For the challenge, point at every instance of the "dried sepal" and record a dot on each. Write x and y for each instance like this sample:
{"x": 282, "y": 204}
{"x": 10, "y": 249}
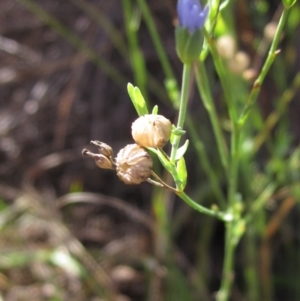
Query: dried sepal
{"x": 103, "y": 148}
{"x": 100, "y": 160}
{"x": 133, "y": 164}
{"x": 151, "y": 130}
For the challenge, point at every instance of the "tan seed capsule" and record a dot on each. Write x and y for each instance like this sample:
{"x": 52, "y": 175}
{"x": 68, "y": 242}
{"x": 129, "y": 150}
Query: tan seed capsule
{"x": 133, "y": 164}
{"x": 151, "y": 130}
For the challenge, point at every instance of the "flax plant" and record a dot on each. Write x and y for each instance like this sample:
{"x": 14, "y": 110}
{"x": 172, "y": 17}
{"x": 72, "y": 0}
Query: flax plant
{"x": 241, "y": 201}
{"x": 193, "y": 43}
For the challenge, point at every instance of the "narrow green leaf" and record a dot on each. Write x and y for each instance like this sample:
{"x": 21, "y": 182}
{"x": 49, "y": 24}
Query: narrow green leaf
{"x": 130, "y": 88}
{"x": 164, "y": 161}
{"x": 137, "y": 99}
{"x": 181, "y": 150}
{"x": 155, "y": 110}
{"x": 178, "y": 131}
{"x": 140, "y": 103}
{"x": 182, "y": 172}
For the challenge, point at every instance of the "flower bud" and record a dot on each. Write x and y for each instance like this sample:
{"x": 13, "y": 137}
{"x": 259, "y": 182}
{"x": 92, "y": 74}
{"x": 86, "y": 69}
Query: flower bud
{"x": 151, "y": 130}
{"x": 133, "y": 164}
{"x": 188, "y": 36}
{"x": 100, "y": 160}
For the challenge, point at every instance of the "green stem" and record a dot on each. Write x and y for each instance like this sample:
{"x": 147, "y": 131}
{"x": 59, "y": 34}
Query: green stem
{"x": 220, "y": 215}
{"x": 274, "y": 117}
{"x": 182, "y": 108}
{"x": 156, "y": 40}
{"x": 205, "y": 92}
{"x": 227, "y": 275}
{"x": 260, "y": 202}
{"x": 234, "y": 164}
{"x": 205, "y": 163}
{"x": 224, "y": 79}
{"x": 136, "y": 56}
{"x": 269, "y": 61}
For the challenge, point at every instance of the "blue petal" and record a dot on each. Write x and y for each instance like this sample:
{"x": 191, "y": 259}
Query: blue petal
{"x": 191, "y": 14}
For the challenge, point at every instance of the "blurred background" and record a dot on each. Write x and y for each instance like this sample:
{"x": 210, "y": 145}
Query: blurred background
{"x": 70, "y": 231}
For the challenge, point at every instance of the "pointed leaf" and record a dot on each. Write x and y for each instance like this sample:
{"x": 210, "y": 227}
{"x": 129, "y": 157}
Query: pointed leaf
{"x": 137, "y": 99}
{"x": 182, "y": 172}
{"x": 181, "y": 150}
{"x": 130, "y": 89}
{"x": 140, "y": 103}
{"x": 155, "y": 110}
{"x": 162, "y": 158}
{"x": 178, "y": 131}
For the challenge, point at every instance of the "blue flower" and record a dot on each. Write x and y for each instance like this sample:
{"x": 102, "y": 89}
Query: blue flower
{"x": 191, "y": 14}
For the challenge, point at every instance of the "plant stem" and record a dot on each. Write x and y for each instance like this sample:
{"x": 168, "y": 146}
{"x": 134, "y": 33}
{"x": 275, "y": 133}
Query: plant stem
{"x": 135, "y": 54}
{"x": 205, "y": 92}
{"x": 182, "y": 108}
{"x": 205, "y": 163}
{"x": 227, "y": 275}
{"x": 234, "y": 164}
{"x": 269, "y": 61}
{"x": 163, "y": 58}
{"x": 274, "y": 117}
{"x": 224, "y": 79}
{"x": 220, "y": 215}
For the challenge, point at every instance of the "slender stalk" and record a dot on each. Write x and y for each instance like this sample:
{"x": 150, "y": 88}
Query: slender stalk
{"x": 250, "y": 274}
{"x": 273, "y": 118}
{"x": 135, "y": 54}
{"x": 224, "y": 79}
{"x": 260, "y": 202}
{"x": 220, "y": 215}
{"x": 171, "y": 84}
{"x": 205, "y": 163}
{"x": 182, "y": 108}
{"x": 234, "y": 165}
{"x": 205, "y": 92}
{"x": 269, "y": 61}
{"x": 227, "y": 275}
{"x": 156, "y": 40}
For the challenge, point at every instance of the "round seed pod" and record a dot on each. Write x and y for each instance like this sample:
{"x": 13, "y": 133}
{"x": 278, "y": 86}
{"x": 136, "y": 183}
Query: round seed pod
{"x": 151, "y": 130}
{"x": 133, "y": 164}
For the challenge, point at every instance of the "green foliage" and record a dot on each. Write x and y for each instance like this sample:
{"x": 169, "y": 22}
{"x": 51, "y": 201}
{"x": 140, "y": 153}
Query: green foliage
{"x": 137, "y": 99}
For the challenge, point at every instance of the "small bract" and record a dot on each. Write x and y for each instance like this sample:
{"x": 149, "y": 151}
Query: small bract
{"x": 151, "y": 130}
{"x": 133, "y": 164}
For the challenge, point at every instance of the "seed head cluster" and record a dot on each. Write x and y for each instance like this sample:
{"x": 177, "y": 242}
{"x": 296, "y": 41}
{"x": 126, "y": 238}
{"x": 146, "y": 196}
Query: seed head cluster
{"x": 133, "y": 164}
